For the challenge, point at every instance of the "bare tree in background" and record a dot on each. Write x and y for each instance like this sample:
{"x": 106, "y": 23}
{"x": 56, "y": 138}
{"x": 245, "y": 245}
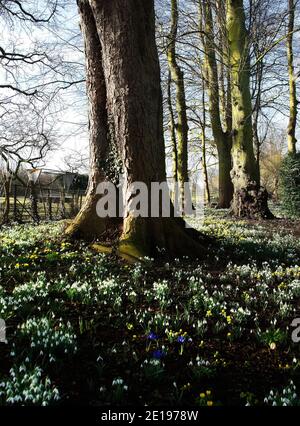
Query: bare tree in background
{"x": 32, "y": 77}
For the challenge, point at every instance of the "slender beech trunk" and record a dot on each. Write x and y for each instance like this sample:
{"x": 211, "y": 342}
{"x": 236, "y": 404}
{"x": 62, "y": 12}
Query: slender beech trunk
{"x": 226, "y": 106}
{"x": 172, "y": 132}
{"x": 222, "y": 90}
{"x": 292, "y": 81}
{"x": 249, "y": 199}
{"x": 222, "y": 53}
{"x": 222, "y": 139}
{"x": 203, "y": 159}
{"x": 204, "y": 166}
{"x": 178, "y": 78}
{"x": 87, "y": 224}
{"x": 133, "y": 101}
{"x": 256, "y": 112}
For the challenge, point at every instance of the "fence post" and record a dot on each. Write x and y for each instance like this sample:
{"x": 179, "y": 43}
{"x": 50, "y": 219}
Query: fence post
{"x": 62, "y": 204}
{"x": 7, "y": 182}
{"x": 49, "y": 205}
{"x": 15, "y": 204}
{"x": 34, "y": 202}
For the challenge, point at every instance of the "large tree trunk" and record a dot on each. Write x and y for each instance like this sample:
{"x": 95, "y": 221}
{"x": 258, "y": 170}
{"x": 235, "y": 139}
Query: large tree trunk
{"x": 249, "y": 199}
{"x": 126, "y": 29}
{"x": 88, "y": 224}
{"x": 178, "y": 78}
{"x": 221, "y": 138}
{"x": 292, "y": 81}
{"x": 225, "y": 182}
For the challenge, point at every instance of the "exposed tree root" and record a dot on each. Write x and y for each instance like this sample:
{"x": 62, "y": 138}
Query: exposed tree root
{"x": 251, "y": 203}
{"x": 161, "y": 237}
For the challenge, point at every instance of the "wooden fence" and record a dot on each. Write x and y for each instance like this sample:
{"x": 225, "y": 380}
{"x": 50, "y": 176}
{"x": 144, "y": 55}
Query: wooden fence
{"x": 36, "y": 203}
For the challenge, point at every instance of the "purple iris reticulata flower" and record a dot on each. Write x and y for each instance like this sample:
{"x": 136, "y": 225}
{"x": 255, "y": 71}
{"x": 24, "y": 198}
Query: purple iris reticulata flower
{"x": 152, "y": 336}
{"x": 158, "y": 354}
{"x": 181, "y": 339}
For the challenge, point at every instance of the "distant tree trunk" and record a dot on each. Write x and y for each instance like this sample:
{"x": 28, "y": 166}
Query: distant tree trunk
{"x": 173, "y": 132}
{"x": 7, "y": 185}
{"x": 88, "y": 224}
{"x": 178, "y": 78}
{"x": 126, "y": 29}
{"x": 222, "y": 139}
{"x": 225, "y": 79}
{"x": 203, "y": 159}
{"x": 204, "y": 166}
{"x": 292, "y": 81}
{"x": 249, "y": 199}
{"x": 256, "y": 112}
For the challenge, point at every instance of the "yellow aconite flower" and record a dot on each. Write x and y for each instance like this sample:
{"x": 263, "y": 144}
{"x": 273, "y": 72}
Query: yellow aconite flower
{"x": 202, "y": 395}
{"x": 229, "y": 319}
{"x": 209, "y": 403}
{"x": 272, "y": 346}
{"x": 282, "y": 286}
{"x": 209, "y": 313}
{"x": 208, "y": 392}
{"x": 129, "y": 326}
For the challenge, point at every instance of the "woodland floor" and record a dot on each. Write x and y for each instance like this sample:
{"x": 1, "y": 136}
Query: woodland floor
{"x": 84, "y": 328}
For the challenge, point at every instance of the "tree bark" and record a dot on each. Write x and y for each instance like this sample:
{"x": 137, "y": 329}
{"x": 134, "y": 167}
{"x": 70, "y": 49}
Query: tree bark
{"x": 173, "y": 132}
{"x": 203, "y": 158}
{"x": 249, "y": 199}
{"x": 292, "y": 81}
{"x": 87, "y": 223}
{"x": 221, "y": 138}
{"x": 256, "y": 112}
{"x": 178, "y": 78}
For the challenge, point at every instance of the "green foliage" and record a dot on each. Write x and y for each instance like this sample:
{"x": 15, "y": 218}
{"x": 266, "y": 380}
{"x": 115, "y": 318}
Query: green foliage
{"x": 290, "y": 184}
{"x": 85, "y": 327}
